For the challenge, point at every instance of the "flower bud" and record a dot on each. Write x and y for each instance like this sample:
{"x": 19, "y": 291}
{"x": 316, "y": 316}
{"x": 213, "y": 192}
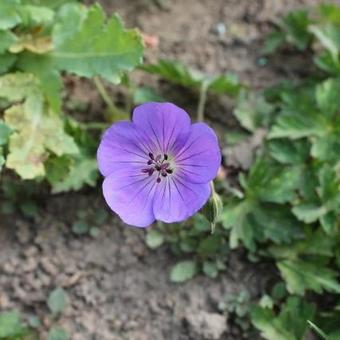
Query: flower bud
{"x": 213, "y": 208}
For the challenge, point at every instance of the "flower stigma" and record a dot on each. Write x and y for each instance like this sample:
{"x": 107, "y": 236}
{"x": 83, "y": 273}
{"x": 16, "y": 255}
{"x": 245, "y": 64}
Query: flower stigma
{"x": 159, "y": 164}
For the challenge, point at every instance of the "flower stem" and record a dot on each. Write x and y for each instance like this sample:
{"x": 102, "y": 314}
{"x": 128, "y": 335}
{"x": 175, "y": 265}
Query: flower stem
{"x": 105, "y": 96}
{"x": 202, "y": 101}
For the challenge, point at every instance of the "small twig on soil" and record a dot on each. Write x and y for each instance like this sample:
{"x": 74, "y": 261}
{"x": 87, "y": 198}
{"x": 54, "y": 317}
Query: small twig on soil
{"x": 105, "y": 96}
{"x": 202, "y": 101}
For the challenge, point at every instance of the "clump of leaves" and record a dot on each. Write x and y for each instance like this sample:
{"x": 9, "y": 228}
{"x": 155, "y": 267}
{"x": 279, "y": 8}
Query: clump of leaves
{"x": 238, "y": 307}
{"x": 317, "y": 29}
{"x": 289, "y": 324}
{"x": 291, "y": 198}
{"x": 88, "y": 222}
{"x": 39, "y": 40}
{"x": 287, "y": 206}
{"x": 12, "y": 327}
{"x": 196, "y": 239}
{"x": 19, "y": 197}
{"x": 177, "y": 73}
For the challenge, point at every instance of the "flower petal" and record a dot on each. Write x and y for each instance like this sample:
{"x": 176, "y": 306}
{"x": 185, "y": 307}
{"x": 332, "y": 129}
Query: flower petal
{"x": 199, "y": 159}
{"x": 121, "y": 146}
{"x": 165, "y": 125}
{"x": 176, "y": 200}
{"x": 130, "y": 195}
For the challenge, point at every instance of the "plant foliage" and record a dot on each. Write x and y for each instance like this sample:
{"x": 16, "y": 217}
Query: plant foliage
{"x": 39, "y": 39}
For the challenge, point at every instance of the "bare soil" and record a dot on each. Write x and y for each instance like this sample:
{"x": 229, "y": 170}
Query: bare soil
{"x": 118, "y": 288}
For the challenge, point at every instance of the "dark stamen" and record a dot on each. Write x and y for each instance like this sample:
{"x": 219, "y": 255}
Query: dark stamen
{"x": 158, "y": 163}
{"x": 165, "y": 166}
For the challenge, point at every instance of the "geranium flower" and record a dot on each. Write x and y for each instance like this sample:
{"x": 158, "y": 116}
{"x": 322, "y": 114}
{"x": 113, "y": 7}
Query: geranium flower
{"x": 157, "y": 167}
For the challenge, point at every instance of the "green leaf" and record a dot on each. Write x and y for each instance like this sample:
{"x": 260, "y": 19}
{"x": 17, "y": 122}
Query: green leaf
{"x": 270, "y": 182}
{"x": 329, "y": 190}
{"x": 235, "y": 216}
{"x": 6, "y": 40}
{"x": 295, "y": 125}
{"x": 154, "y": 239}
{"x": 228, "y": 84}
{"x": 6, "y": 62}
{"x": 273, "y": 42}
{"x": 46, "y": 76}
{"x": 201, "y": 224}
{"x": 327, "y": 96}
{"x": 47, "y": 3}
{"x": 301, "y": 275}
{"x": 210, "y": 269}
{"x": 309, "y": 213}
{"x": 183, "y": 271}
{"x": 178, "y": 73}
{"x": 252, "y": 110}
{"x": 33, "y": 16}
{"x": 334, "y": 335}
{"x": 57, "y": 168}
{"x": 145, "y": 94}
{"x": 275, "y": 222}
{"x": 327, "y": 148}
{"x": 80, "y": 227}
{"x": 57, "y": 301}
{"x": 9, "y": 16}
{"x": 296, "y": 25}
{"x": 329, "y": 37}
{"x": 57, "y": 334}
{"x": 329, "y": 13}
{"x": 94, "y": 46}
{"x": 289, "y": 324}
{"x": 289, "y": 152}
{"x": 314, "y": 244}
{"x": 210, "y": 245}
{"x": 82, "y": 171}
{"x": 330, "y": 223}
{"x": 327, "y": 63}
{"x": 5, "y": 132}
{"x": 2, "y": 159}
{"x": 11, "y": 325}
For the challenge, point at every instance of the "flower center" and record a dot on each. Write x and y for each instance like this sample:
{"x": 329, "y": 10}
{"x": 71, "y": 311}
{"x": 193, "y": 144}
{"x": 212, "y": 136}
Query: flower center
{"x": 159, "y": 164}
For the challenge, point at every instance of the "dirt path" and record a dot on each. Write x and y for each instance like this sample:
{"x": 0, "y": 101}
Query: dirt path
{"x": 118, "y": 289}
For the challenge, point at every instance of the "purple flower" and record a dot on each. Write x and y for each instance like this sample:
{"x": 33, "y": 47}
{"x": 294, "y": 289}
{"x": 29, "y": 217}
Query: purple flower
{"x": 157, "y": 167}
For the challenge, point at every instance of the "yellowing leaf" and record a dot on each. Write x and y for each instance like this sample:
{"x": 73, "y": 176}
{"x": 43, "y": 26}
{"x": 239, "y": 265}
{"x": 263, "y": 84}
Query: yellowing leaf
{"x": 17, "y": 86}
{"x": 37, "y": 129}
{"x": 35, "y": 44}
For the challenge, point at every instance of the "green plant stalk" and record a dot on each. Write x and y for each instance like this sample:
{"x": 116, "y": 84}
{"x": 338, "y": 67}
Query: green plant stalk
{"x": 317, "y": 330}
{"x": 105, "y": 96}
{"x": 202, "y": 101}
